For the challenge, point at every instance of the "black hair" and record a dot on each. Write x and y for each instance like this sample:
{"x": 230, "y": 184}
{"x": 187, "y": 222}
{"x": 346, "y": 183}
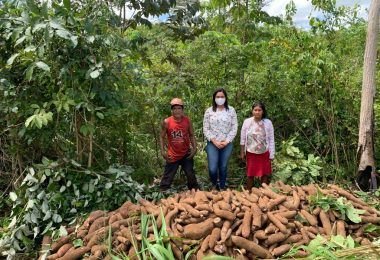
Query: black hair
{"x": 214, "y": 105}
{"x": 262, "y": 106}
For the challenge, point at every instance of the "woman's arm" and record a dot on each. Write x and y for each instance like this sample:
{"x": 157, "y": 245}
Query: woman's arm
{"x": 271, "y": 139}
{"x": 243, "y": 138}
{"x": 243, "y": 132}
{"x": 206, "y": 126}
{"x": 234, "y": 126}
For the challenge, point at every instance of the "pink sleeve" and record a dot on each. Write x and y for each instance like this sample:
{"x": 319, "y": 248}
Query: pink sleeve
{"x": 243, "y": 133}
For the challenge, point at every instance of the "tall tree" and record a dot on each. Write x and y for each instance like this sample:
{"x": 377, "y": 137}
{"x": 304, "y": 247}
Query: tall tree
{"x": 365, "y": 150}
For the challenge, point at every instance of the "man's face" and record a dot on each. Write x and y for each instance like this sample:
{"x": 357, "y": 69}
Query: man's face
{"x": 177, "y": 111}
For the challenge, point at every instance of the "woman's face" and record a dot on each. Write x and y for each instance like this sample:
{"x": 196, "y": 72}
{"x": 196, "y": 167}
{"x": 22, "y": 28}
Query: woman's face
{"x": 220, "y": 98}
{"x": 257, "y": 112}
{"x": 220, "y": 95}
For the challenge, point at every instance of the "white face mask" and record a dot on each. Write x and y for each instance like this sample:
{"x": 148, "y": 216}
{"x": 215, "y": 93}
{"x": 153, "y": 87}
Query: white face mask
{"x": 220, "y": 101}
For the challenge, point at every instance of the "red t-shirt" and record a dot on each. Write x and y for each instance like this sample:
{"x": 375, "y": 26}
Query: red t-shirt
{"x": 178, "y": 137}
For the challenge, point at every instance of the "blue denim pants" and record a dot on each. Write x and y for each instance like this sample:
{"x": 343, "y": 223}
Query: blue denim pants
{"x": 217, "y": 163}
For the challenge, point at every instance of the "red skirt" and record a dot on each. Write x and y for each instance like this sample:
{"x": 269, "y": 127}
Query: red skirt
{"x": 258, "y": 164}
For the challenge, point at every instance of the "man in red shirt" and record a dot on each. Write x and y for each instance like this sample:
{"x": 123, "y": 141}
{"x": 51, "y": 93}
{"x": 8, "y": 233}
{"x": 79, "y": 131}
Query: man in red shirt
{"x": 176, "y": 136}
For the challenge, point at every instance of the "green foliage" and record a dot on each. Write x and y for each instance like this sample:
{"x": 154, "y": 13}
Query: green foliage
{"x": 160, "y": 249}
{"x": 53, "y": 193}
{"x": 335, "y": 247}
{"x": 373, "y": 229}
{"x": 322, "y": 248}
{"x": 156, "y": 248}
{"x": 292, "y": 167}
{"x": 334, "y": 17}
{"x": 346, "y": 210}
{"x": 372, "y": 198}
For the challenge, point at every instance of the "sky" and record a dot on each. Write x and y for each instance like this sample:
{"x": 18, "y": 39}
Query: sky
{"x": 304, "y": 9}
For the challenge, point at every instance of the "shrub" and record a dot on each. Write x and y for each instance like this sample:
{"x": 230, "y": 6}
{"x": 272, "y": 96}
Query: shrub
{"x": 291, "y": 166}
{"x": 55, "y": 192}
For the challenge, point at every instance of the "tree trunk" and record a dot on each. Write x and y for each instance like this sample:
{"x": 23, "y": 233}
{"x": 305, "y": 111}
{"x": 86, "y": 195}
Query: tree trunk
{"x": 78, "y": 136}
{"x": 90, "y": 141}
{"x": 365, "y": 152}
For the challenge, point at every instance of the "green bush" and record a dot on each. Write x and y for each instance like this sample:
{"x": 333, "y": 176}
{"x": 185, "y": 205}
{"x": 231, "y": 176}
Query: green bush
{"x": 55, "y": 192}
{"x": 291, "y": 166}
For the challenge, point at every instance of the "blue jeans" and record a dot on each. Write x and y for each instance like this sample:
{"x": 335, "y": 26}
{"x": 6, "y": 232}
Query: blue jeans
{"x": 217, "y": 163}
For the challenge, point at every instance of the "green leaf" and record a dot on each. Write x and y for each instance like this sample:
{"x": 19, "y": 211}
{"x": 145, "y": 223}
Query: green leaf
{"x": 30, "y": 48}
{"x": 47, "y": 228}
{"x": 33, "y": 218}
{"x": 57, "y": 218}
{"x": 62, "y": 231}
{"x": 100, "y": 115}
{"x": 338, "y": 240}
{"x": 73, "y": 162}
{"x": 371, "y": 228}
{"x": 74, "y": 40}
{"x": 12, "y": 58}
{"x": 30, "y": 204}
{"x": 353, "y": 214}
{"x": 13, "y": 196}
{"x": 36, "y": 232}
{"x": 29, "y": 72}
{"x": 45, "y": 207}
{"x": 13, "y": 222}
{"x": 56, "y": 25}
{"x": 20, "y": 40}
{"x": 38, "y": 122}
{"x": 91, "y": 188}
{"x": 67, "y": 4}
{"x": 78, "y": 242}
{"x": 29, "y": 120}
{"x": 95, "y": 74}
{"x": 90, "y": 39}
{"x": 38, "y": 27}
{"x": 41, "y": 195}
{"x": 63, "y": 34}
{"x": 32, "y": 6}
{"x": 350, "y": 242}
{"x": 84, "y": 130}
{"x": 42, "y": 65}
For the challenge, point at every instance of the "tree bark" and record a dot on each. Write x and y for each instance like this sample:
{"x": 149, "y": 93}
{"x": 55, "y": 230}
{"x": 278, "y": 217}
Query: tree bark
{"x": 90, "y": 141}
{"x": 365, "y": 152}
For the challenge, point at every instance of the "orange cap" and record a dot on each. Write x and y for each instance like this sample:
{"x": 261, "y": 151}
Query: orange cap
{"x": 176, "y": 101}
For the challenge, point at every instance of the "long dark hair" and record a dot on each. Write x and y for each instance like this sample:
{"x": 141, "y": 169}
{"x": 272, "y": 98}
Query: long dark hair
{"x": 214, "y": 105}
{"x": 262, "y": 106}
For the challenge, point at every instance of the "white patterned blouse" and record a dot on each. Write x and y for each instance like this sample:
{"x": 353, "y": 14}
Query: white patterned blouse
{"x": 220, "y": 125}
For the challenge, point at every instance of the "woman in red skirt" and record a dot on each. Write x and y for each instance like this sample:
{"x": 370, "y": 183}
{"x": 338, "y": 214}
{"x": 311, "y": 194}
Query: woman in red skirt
{"x": 257, "y": 145}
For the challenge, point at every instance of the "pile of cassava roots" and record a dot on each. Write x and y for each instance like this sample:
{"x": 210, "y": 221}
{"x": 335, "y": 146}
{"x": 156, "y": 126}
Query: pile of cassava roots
{"x": 264, "y": 223}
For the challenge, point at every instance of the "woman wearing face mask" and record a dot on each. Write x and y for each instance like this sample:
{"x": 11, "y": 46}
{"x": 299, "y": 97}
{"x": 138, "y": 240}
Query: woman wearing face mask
{"x": 257, "y": 145}
{"x": 219, "y": 127}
